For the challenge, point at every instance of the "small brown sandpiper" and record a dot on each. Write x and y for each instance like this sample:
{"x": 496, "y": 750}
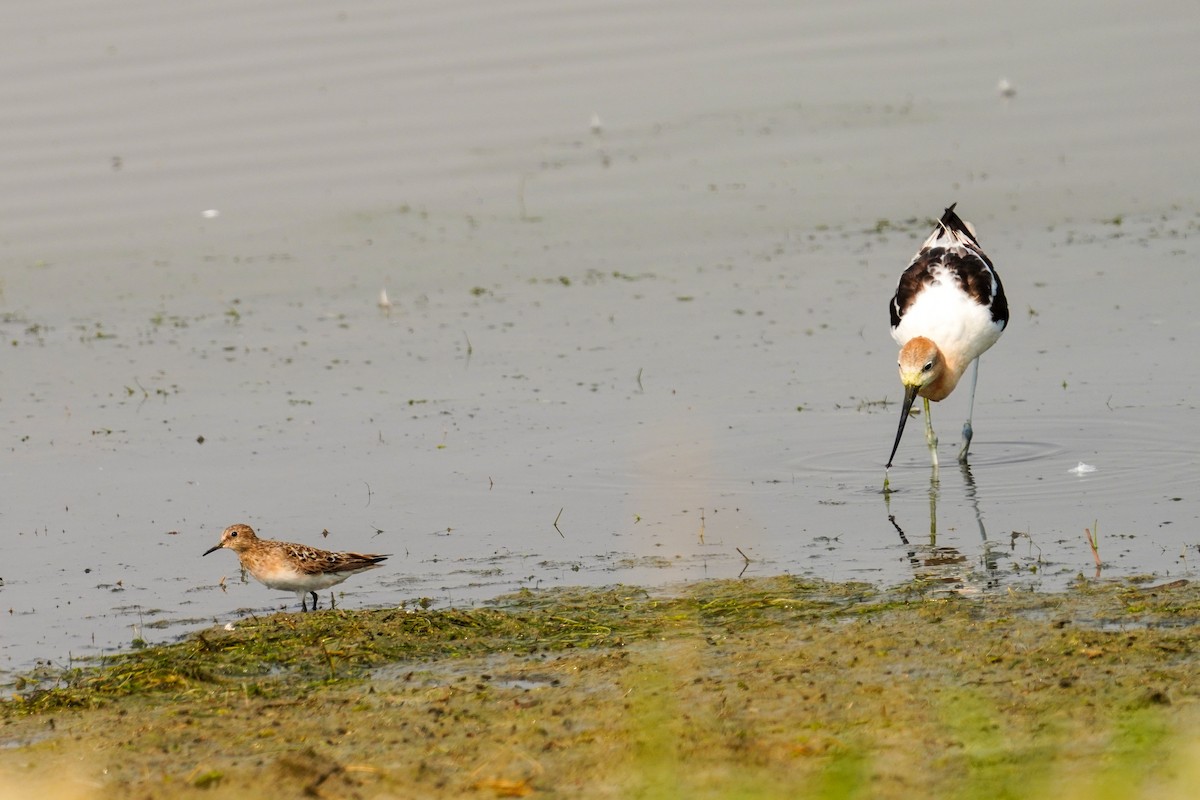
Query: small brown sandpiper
{"x": 292, "y": 567}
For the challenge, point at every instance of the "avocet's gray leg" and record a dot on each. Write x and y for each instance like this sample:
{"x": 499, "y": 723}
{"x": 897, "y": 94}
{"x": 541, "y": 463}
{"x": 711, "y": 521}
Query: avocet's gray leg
{"x": 968, "y": 432}
{"x": 930, "y": 436}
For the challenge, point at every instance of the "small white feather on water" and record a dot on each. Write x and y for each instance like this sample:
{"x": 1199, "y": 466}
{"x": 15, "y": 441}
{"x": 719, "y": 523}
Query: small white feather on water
{"x": 1082, "y": 469}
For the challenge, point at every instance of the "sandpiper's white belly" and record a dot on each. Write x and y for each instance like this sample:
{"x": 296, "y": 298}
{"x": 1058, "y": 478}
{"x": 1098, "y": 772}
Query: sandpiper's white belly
{"x": 291, "y": 580}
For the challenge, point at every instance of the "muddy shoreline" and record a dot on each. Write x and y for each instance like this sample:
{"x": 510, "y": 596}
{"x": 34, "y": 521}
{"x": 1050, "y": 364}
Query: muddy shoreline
{"x": 768, "y": 687}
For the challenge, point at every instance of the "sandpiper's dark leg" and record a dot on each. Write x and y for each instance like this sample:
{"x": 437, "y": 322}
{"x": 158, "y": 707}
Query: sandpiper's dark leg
{"x": 314, "y": 594}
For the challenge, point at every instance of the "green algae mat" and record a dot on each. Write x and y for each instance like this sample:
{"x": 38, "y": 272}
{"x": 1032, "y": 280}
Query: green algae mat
{"x": 760, "y": 688}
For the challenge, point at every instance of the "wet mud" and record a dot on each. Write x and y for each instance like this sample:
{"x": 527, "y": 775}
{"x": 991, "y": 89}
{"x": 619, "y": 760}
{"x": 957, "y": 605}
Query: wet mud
{"x": 772, "y": 687}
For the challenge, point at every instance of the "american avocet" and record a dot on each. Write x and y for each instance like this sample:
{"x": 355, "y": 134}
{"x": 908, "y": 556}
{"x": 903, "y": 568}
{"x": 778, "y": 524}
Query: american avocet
{"x": 292, "y": 567}
{"x": 948, "y": 310}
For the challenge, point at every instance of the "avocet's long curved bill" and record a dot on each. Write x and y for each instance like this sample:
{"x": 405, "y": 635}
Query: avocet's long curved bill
{"x": 910, "y": 394}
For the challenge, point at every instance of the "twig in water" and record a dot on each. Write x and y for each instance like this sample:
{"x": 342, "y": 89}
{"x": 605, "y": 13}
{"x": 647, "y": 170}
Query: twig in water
{"x": 1093, "y": 535}
{"x": 1032, "y": 544}
{"x": 560, "y": 533}
{"x": 521, "y": 199}
{"x": 368, "y": 493}
{"x": 743, "y": 555}
{"x": 329, "y": 660}
{"x": 639, "y": 380}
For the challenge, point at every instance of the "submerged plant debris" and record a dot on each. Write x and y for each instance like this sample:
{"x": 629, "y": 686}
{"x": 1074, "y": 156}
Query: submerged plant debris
{"x": 775, "y": 687}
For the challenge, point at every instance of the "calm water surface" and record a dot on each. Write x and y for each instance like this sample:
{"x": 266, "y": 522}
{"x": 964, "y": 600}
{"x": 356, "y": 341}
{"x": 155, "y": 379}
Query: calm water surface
{"x": 638, "y": 262}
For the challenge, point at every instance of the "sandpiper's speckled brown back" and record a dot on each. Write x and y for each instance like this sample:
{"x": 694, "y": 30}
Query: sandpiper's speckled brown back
{"x": 288, "y": 565}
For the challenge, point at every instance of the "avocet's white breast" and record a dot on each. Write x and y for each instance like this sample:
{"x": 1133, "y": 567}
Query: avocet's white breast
{"x": 958, "y": 323}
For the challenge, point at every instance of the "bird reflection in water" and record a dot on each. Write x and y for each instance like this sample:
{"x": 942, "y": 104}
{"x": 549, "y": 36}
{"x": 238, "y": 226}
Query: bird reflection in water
{"x": 948, "y": 568}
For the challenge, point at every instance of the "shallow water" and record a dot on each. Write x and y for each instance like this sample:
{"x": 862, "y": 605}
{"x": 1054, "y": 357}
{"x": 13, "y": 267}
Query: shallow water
{"x": 665, "y": 333}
